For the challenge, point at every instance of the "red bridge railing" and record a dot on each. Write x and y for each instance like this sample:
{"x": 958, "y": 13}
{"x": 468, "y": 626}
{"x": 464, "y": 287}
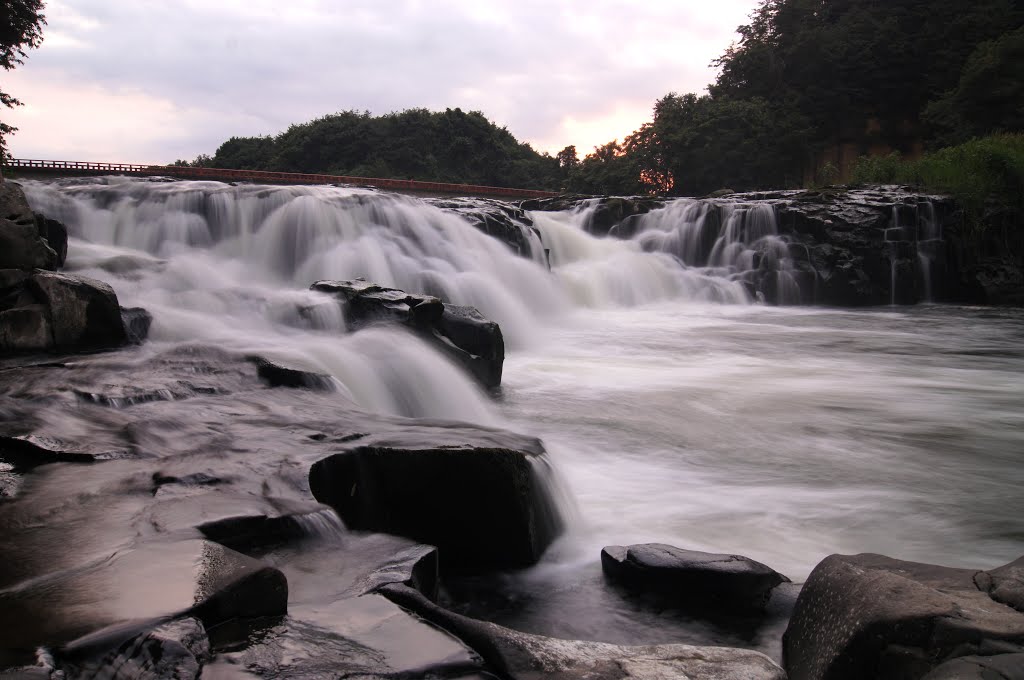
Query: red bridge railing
{"x": 263, "y": 176}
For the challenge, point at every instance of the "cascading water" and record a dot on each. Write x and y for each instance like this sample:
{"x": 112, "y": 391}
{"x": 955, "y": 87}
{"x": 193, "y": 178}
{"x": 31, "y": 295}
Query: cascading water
{"x": 913, "y": 242}
{"x": 724, "y": 239}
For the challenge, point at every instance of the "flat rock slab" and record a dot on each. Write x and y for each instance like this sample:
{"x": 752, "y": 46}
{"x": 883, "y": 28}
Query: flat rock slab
{"x": 484, "y": 508}
{"x": 363, "y": 637}
{"x": 523, "y": 656}
{"x": 691, "y": 577}
{"x": 871, "y": 616}
{"x": 149, "y": 583}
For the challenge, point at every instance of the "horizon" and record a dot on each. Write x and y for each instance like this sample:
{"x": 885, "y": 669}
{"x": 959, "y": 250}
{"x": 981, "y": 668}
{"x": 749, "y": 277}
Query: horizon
{"x": 150, "y": 83}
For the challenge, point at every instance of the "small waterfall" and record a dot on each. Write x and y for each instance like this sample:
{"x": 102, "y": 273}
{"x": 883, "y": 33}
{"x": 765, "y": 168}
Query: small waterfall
{"x": 913, "y": 243}
{"x": 731, "y": 240}
{"x": 323, "y": 524}
{"x": 929, "y": 246}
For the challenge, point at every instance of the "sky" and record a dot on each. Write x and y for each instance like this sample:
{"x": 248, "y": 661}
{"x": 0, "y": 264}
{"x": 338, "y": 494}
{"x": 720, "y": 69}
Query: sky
{"x": 144, "y": 81}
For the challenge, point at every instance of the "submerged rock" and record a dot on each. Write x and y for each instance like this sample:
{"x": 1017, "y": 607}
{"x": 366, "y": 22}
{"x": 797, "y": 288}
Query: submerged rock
{"x": 484, "y": 508}
{"x": 136, "y": 324}
{"x": 460, "y": 332}
{"x": 525, "y": 656}
{"x": 871, "y": 616}
{"x": 276, "y": 375}
{"x": 691, "y": 578}
{"x": 173, "y": 651}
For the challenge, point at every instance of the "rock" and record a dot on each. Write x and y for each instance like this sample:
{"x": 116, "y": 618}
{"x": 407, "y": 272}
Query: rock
{"x": 462, "y": 333}
{"x": 473, "y": 341}
{"x": 502, "y": 221}
{"x": 611, "y": 211}
{"x": 998, "y": 667}
{"x": 415, "y": 566}
{"x": 484, "y": 508}
{"x": 32, "y": 450}
{"x": 84, "y": 313}
{"x": 249, "y": 534}
{"x": 173, "y": 651}
{"x": 871, "y": 616}
{"x": 136, "y": 322}
{"x": 276, "y": 375}
{"x": 130, "y": 591}
{"x": 55, "y": 234}
{"x": 513, "y": 654}
{"x": 25, "y": 329}
{"x": 1005, "y": 584}
{"x": 689, "y": 577}
{"x": 996, "y": 281}
{"x": 22, "y": 241}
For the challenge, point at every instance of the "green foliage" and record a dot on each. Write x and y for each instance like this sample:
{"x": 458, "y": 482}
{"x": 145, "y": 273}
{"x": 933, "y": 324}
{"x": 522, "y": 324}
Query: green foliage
{"x": 447, "y": 146}
{"x": 21, "y": 28}
{"x": 989, "y": 96}
{"x": 976, "y": 173}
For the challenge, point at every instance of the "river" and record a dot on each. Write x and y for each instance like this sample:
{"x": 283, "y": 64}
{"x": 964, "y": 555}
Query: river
{"x": 675, "y": 408}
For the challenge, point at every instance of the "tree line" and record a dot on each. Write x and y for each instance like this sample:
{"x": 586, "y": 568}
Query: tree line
{"x": 808, "y": 87}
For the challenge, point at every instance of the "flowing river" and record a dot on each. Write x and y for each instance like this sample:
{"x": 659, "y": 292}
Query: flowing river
{"x": 674, "y": 407}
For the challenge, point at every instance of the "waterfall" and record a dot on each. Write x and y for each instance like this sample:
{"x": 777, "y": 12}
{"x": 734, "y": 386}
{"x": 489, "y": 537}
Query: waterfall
{"x": 231, "y": 266}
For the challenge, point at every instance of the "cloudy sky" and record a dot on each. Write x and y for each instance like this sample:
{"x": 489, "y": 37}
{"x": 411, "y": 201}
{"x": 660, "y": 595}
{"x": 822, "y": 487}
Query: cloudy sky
{"x": 151, "y": 81}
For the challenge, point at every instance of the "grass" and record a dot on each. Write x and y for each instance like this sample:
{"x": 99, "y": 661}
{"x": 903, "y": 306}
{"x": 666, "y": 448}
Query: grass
{"x": 977, "y": 173}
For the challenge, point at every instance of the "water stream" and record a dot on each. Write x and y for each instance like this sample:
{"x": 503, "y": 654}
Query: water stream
{"x": 675, "y": 408}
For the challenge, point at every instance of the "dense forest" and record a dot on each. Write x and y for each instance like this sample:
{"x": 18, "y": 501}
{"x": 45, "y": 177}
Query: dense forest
{"x": 447, "y": 146}
{"x": 809, "y": 87}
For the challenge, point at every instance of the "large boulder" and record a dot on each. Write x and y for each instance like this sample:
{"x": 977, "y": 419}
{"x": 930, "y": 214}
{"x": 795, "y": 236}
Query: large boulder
{"x": 871, "y": 616}
{"x": 484, "y": 508}
{"x": 523, "y": 656}
{"x": 691, "y": 578}
{"x": 49, "y": 311}
{"x": 461, "y": 333}
{"x": 502, "y": 221}
{"x": 28, "y": 240}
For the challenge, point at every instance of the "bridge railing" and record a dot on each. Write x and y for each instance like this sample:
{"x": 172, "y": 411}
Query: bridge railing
{"x": 266, "y": 176}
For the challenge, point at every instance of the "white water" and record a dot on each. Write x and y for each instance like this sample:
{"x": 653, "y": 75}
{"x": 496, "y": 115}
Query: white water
{"x": 676, "y": 410}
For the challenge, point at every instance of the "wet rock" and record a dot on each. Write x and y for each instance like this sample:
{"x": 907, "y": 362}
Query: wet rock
{"x": 173, "y": 651}
{"x": 84, "y": 313}
{"x": 125, "y": 594}
{"x": 1005, "y": 584}
{"x": 484, "y": 508}
{"x": 249, "y": 534}
{"x": 276, "y": 375}
{"x": 32, "y": 450}
{"x": 55, "y": 234}
{"x": 363, "y": 637}
{"x": 136, "y": 322}
{"x": 21, "y": 244}
{"x": 995, "y": 281}
{"x": 871, "y": 616}
{"x": 25, "y": 329}
{"x": 513, "y": 654}
{"x": 462, "y": 333}
{"x": 613, "y": 210}
{"x": 689, "y": 577}
{"x": 415, "y": 566}
{"x": 503, "y": 221}
{"x": 473, "y": 341}
{"x": 998, "y": 667}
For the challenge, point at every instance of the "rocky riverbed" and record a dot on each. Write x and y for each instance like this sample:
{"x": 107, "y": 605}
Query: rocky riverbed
{"x": 244, "y": 460}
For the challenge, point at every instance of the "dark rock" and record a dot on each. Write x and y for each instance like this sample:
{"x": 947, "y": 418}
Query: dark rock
{"x": 484, "y": 508}
{"x": 462, "y": 333}
{"x": 474, "y": 341}
{"x": 611, "y": 211}
{"x": 55, "y": 234}
{"x": 276, "y": 375}
{"x": 84, "y": 313}
{"x": 136, "y": 322}
{"x": 250, "y": 534}
{"x": 996, "y": 281}
{"x": 998, "y": 667}
{"x": 415, "y": 566}
{"x": 513, "y": 654}
{"x": 173, "y": 651}
{"x": 502, "y": 221}
{"x": 25, "y": 329}
{"x": 1005, "y": 584}
{"x": 32, "y": 450}
{"x": 689, "y": 577}
{"x": 21, "y": 245}
{"x": 870, "y": 616}
{"x": 194, "y": 479}
{"x": 153, "y": 583}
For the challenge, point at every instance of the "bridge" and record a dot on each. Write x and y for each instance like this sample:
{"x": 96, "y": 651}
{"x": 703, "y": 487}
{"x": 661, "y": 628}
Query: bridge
{"x": 35, "y": 168}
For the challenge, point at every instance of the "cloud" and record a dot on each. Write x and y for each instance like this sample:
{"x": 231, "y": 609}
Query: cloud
{"x": 158, "y": 81}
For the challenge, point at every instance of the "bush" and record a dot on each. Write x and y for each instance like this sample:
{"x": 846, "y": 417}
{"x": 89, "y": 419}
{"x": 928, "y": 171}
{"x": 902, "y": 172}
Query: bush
{"x": 976, "y": 173}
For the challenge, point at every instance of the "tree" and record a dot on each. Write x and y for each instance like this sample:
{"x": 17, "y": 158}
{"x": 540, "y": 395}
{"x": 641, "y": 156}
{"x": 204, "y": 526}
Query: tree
{"x": 21, "y": 29}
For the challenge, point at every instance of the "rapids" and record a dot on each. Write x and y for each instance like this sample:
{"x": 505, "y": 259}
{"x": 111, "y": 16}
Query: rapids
{"x": 674, "y": 407}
